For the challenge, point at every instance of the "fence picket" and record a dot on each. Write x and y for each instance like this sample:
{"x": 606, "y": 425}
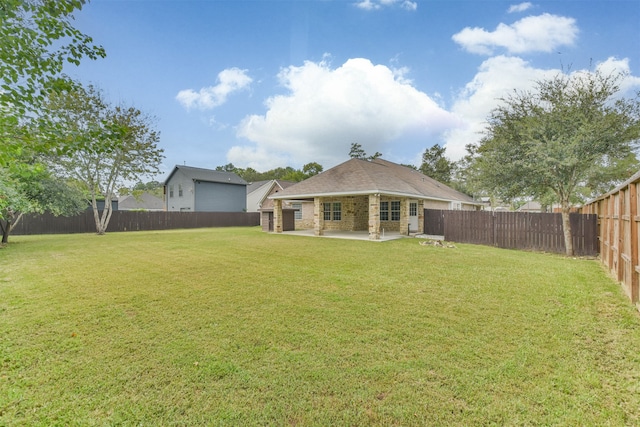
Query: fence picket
{"x": 514, "y": 230}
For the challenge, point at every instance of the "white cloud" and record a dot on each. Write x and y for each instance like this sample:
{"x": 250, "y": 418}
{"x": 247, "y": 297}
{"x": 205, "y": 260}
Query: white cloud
{"x": 629, "y": 84}
{"x": 229, "y": 81}
{"x": 520, "y": 7}
{"x": 326, "y": 110}
{"x": 501, "y": 75}
{"x": 496, "y": 77}
{"x": 379, "y": 4}
{"x": 543, "y": 33}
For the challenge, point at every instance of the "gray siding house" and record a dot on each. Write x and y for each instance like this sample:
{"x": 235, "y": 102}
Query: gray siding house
{"x": 189, "y": 189}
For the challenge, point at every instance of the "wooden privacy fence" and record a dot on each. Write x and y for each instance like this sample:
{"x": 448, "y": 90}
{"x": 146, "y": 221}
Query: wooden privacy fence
{"x": 618, "y": 213}
{"x": 133, "y": 221}
{"x": 514, "y": 230}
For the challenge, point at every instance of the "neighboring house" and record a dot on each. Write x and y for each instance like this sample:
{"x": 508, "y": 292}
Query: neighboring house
{"x": 494, "y": 205}
{"x": 298, "y": 215}
{"x": 143, "y": 202}
{"x": 531, "y": 206}
{"x": 189, "y": 189}
{"x": 257, "y": 192}
{"x": 370, "y": 195}
{"x": 100, "y": 203}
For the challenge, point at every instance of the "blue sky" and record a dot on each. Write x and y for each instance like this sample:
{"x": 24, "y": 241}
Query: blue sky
{"x": 270, "y": 83}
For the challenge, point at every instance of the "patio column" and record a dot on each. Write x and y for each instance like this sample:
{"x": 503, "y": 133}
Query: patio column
{"x": 404, "y": 216}
{"x": 277, "y": 215}
{"x": 318, "y": 216}
{"x": 420, "y": 217}
{"x": 374, "y": 217}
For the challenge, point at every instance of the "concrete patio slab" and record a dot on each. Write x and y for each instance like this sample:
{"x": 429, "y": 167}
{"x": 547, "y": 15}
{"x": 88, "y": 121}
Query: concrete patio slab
{"x": 352, "y": 235}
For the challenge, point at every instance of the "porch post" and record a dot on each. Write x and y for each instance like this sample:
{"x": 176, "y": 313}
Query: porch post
{"x": 374, "y": 216}
{"x": 318, "y": 216}
{"x": 277, "y": 215}
{"x": 420, "y": 217}
{"x": 404, "y": 216}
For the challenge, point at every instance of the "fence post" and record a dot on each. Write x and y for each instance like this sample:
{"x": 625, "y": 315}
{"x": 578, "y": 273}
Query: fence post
{"x": 633, "y": 224}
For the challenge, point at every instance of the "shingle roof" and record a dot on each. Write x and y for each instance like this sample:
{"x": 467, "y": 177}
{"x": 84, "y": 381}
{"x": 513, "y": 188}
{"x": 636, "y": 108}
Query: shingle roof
{"x": 208, "y": 175}
{"x": 357, "y": 176}
{"x": 144, "y": 201}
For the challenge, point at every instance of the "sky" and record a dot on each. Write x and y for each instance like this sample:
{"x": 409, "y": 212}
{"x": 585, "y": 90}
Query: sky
{"x": 276, "y": 83}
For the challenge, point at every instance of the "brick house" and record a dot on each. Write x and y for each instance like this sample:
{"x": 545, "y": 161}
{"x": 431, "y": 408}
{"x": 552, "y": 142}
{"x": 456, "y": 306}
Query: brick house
{"x": 295, "y": 215}
{"x": 369, "y": 195}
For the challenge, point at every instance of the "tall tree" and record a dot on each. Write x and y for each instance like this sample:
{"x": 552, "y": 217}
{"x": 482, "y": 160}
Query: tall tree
{"x": 357, "y": 152}
{"x": 436, "y": 165}
{"x": 36, "y": 40}
{"x": 556, "y": 137}
{"x": 115, "y": 145}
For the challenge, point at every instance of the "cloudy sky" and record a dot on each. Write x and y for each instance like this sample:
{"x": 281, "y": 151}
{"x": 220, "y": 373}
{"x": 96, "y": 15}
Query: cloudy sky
{"x": 274, "y": 83}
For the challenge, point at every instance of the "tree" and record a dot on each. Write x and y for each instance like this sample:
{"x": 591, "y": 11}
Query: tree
{"x": 36, "y": 40}
{"x": 557, "y": 138}
{"x": 35, "y": 190}
{"x": 154, "y": 188}
{"x": 436, "y": 165}
{"x": 114, "y": 145}
{"x": 311, "y": 169}
{"x": 357, "y": 152}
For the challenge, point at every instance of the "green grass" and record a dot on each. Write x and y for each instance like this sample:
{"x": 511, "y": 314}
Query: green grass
{"x": 239, "y": 327}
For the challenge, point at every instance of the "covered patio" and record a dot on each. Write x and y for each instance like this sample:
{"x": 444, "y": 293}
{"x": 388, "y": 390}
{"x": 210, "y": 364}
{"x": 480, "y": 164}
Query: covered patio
{"x": 371, "y": 199}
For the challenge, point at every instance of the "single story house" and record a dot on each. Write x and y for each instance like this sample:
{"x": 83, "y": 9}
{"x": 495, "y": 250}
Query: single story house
{"x": 143, "y": 202}
{"x": 189, "y": 189}
{"x": 258, "y": 201}
{"x": 370, "y": 195}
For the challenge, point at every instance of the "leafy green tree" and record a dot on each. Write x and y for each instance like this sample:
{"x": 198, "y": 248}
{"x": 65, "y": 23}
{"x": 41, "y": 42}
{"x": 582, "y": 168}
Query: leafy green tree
{"x": 311, "y": 169}
{"x": 154, "y": 188}
{"x": 36, "y": 41}
{"x": 558, "y": 138}
{"x": 436, "y": 165}
{"x": 33, "y": 189}
{"x": 116, "y": 145}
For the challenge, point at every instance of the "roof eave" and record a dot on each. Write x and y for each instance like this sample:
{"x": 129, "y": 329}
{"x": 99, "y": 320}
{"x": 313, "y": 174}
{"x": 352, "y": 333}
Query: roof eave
{"x": 368, "y": 192}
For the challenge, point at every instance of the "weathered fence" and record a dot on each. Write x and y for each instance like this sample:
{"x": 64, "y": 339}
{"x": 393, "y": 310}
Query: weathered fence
{"x": 133, "y": 221}
{"x": 618, "y": 213}
{"x": 514, "y": 230}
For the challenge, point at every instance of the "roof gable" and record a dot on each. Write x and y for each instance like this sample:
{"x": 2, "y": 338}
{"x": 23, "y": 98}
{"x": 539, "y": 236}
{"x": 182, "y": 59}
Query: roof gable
{"x": 207, "y": 175}
{"x": 357, "y": 176}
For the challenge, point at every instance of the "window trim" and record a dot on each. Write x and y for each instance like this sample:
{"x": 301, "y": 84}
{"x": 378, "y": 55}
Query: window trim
{"x": 297, "y": 214}
{"x": 332, "y": 211}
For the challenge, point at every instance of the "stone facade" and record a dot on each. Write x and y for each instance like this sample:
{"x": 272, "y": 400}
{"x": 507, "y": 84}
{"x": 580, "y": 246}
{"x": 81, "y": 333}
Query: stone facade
{"x": 306, "y": 222}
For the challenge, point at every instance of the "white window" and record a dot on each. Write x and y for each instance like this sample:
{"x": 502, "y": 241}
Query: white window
{"x": 337, "y": 211}
{"x": 171, "y": 191}
{"x": 384, "y": 211}
{"x": 327, "y": 211}
{"x": 413, "y": 209}
{"x": 179, "y": 190}
{"x": 298, "y": 213}
{"x": 395, "y": 211}
{"x": 456, "y": 206}
{"x": 332, "y": 211}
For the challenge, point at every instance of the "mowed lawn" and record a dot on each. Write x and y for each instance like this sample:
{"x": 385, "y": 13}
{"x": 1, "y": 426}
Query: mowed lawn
{"x": 233, "y": 326}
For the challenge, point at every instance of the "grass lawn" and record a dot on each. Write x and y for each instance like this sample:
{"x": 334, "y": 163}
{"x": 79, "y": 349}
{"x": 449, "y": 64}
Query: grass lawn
{"x": 233, "y": 326}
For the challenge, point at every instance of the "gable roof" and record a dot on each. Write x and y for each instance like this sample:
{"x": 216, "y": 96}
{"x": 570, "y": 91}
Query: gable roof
{"x": 357, "y": 176}
{"x": 144, "y": 201}
{"x": 207, "y": 175}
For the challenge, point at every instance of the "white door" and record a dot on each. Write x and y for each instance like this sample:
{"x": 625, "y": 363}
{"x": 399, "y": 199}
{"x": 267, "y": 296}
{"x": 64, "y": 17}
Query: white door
{"x": 413, "y": 216}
